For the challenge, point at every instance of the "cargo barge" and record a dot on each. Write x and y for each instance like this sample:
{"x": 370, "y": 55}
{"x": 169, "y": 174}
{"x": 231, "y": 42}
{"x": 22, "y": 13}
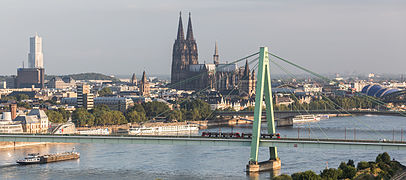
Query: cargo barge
{"x": 48, "y": 158}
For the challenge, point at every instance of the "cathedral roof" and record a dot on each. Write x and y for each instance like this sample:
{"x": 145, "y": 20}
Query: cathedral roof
{"x": 226, "y": 67}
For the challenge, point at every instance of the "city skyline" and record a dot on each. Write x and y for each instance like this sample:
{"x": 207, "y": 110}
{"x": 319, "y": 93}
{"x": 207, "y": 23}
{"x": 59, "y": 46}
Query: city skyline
{"x": 317, "y": 35}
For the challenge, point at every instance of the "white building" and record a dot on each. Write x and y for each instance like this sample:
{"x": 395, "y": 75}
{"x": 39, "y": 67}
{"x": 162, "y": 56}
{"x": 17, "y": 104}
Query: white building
{"x": 312, "y": 88}
{"x": 42, "y": 117}
{"x": 35, "y": 56}
{"x": 8, "y": 126}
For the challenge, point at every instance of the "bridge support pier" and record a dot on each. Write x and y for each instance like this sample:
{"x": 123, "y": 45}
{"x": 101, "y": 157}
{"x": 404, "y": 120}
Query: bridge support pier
{"x": 263, "y": 92}
{"x": 270, "y": 165}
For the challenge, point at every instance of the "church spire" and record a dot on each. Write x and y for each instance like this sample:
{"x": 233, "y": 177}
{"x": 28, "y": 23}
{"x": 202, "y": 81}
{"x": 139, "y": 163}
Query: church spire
{"x": 189, "y": 35}
{"x": 144, "y": 77}
{"x": 181, "y": 35}
{"x": 216, "y": 55}
{"x": 246, "y": 70}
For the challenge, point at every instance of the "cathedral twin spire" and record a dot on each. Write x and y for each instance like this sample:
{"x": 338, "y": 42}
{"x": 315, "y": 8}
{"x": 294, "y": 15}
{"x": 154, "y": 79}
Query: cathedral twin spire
{"x": 189, "y": 35}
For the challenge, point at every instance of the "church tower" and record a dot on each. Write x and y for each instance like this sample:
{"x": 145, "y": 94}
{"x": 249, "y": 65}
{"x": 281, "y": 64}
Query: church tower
{"x": 184, "y": 54}
{"x": 192, "y": 54}
{"x": 247, "y": 85}
{"x": 133, "y": 80}
{"x": 179, "y": 62}
{"x": 144, "y": 86}
{"x": 216, "y": 55}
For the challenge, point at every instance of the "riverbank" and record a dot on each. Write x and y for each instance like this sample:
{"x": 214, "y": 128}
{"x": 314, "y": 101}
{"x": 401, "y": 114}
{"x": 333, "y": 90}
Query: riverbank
{"x": 10, "y": 144}
{"x": 382, "y": 168}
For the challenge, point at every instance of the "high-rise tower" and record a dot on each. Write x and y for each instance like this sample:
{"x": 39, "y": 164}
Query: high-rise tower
{"x": 35, "y": 56}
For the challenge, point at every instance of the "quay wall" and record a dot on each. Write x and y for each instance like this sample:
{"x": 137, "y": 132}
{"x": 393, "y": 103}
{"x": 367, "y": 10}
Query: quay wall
{"x": 10, "y": 144}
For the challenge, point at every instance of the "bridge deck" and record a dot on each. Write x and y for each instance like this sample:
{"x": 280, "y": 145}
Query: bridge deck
{"x": 205, "y": 141}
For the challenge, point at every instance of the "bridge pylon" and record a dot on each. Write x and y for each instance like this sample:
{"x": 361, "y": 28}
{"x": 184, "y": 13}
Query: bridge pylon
{"x": 263, "y": 91}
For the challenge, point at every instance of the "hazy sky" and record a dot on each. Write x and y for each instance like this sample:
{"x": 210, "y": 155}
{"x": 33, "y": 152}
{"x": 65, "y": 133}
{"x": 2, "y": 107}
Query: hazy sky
{"x": 125, "y": 36}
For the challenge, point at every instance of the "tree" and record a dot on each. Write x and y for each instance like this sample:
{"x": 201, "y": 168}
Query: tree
{"x": 331, "y": 174}
{"x": 103, "y": 117}
{"x": 9, "y": 98}
{"x": 24, "y": 105}
{"x": 348, "y": 172}
{"x": 106, "y": 91}
{"x": 362, "y": 165}
{"x": 307, "y": 175}
{"x": 65, "y": 114}
{"x": 118, "y": 117}
{"x": 81, "y": 117}
{"x": 384, "y": 157}
{"x": 155, "y": 108}
{"x": 175, "y": 115}
{"x": 55, "y": 116}
{"x": 282, "y": 177}
{"x": 22, "y": 97}
{"x": 196, "y": 109}
{"x": 350, "y": 163}
{"x": 135, "y": 113}
{"x": 133, "y": 116}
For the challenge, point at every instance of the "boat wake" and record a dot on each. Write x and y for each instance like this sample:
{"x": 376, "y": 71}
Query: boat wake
{"x": 7, "y": 165}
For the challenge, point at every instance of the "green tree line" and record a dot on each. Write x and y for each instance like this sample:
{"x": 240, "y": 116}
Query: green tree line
{"x": 331, "y": 103}
{"x": 139, "y": 113}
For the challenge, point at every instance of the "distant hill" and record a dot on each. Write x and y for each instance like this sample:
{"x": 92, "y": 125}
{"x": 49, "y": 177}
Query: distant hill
{"x": 85, "y": 76}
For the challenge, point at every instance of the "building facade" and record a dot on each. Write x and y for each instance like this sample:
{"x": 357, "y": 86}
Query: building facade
{"x": 30, "y": 77}
{"x": 188, "y": 74}
{"x": 114, "y": 103}
{"x": 35, "y": 56}
{"x": 84, "y": 97}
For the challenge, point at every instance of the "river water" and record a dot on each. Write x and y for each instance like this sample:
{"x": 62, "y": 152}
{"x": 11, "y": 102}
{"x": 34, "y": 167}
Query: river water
{"x": 131, "y": 161}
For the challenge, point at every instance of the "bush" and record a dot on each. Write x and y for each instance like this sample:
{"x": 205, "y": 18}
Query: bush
{"x": 365, "y": 177}
{"x": 342, "y": 165}
{"x": 362, "y": 165}
{"x": 348, "y": 172}
{"x": 351, "y": 163}
{"x": 282, "y": 177}
{"x": 384, "y": 157}
{"x": 307, "y": 175}
{"x": 331, "y": 174}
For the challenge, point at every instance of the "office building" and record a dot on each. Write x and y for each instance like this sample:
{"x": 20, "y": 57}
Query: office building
{"x": 35, "y": 56}
{"x": 85, "y": 98}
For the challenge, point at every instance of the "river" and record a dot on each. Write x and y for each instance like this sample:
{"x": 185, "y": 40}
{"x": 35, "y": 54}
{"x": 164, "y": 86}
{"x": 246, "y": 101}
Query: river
{"x": 131, "y": 161}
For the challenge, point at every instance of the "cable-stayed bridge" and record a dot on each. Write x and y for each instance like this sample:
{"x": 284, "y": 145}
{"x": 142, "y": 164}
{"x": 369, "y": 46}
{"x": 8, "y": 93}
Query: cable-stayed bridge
{"x": 207, "y": 141}
{"x": 263, "y": 93}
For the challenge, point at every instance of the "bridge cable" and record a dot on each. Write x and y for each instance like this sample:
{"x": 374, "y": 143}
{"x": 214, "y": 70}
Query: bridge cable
{"x": 328, "y": 80}
{"x": 326, "y": 96}
{"x": 287, "y": 72}
{"x": 207, "y": 87}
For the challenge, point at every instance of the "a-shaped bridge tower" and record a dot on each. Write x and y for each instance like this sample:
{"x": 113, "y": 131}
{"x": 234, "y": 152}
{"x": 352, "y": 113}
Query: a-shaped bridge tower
{"x": 263, "y": 92}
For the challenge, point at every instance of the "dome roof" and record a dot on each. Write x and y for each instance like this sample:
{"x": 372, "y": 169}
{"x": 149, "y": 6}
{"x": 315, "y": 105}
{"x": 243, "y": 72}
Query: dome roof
{"x": 377, "y": 90}
{"x": 390, "y": 91}
{"x": 373, "y": 90}
{"x": 380, "y": 92}
{"x": 365, "y": 89}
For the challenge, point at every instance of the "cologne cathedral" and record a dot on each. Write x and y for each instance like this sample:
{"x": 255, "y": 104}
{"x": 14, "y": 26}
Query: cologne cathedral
{"x": 188, "y": 74}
